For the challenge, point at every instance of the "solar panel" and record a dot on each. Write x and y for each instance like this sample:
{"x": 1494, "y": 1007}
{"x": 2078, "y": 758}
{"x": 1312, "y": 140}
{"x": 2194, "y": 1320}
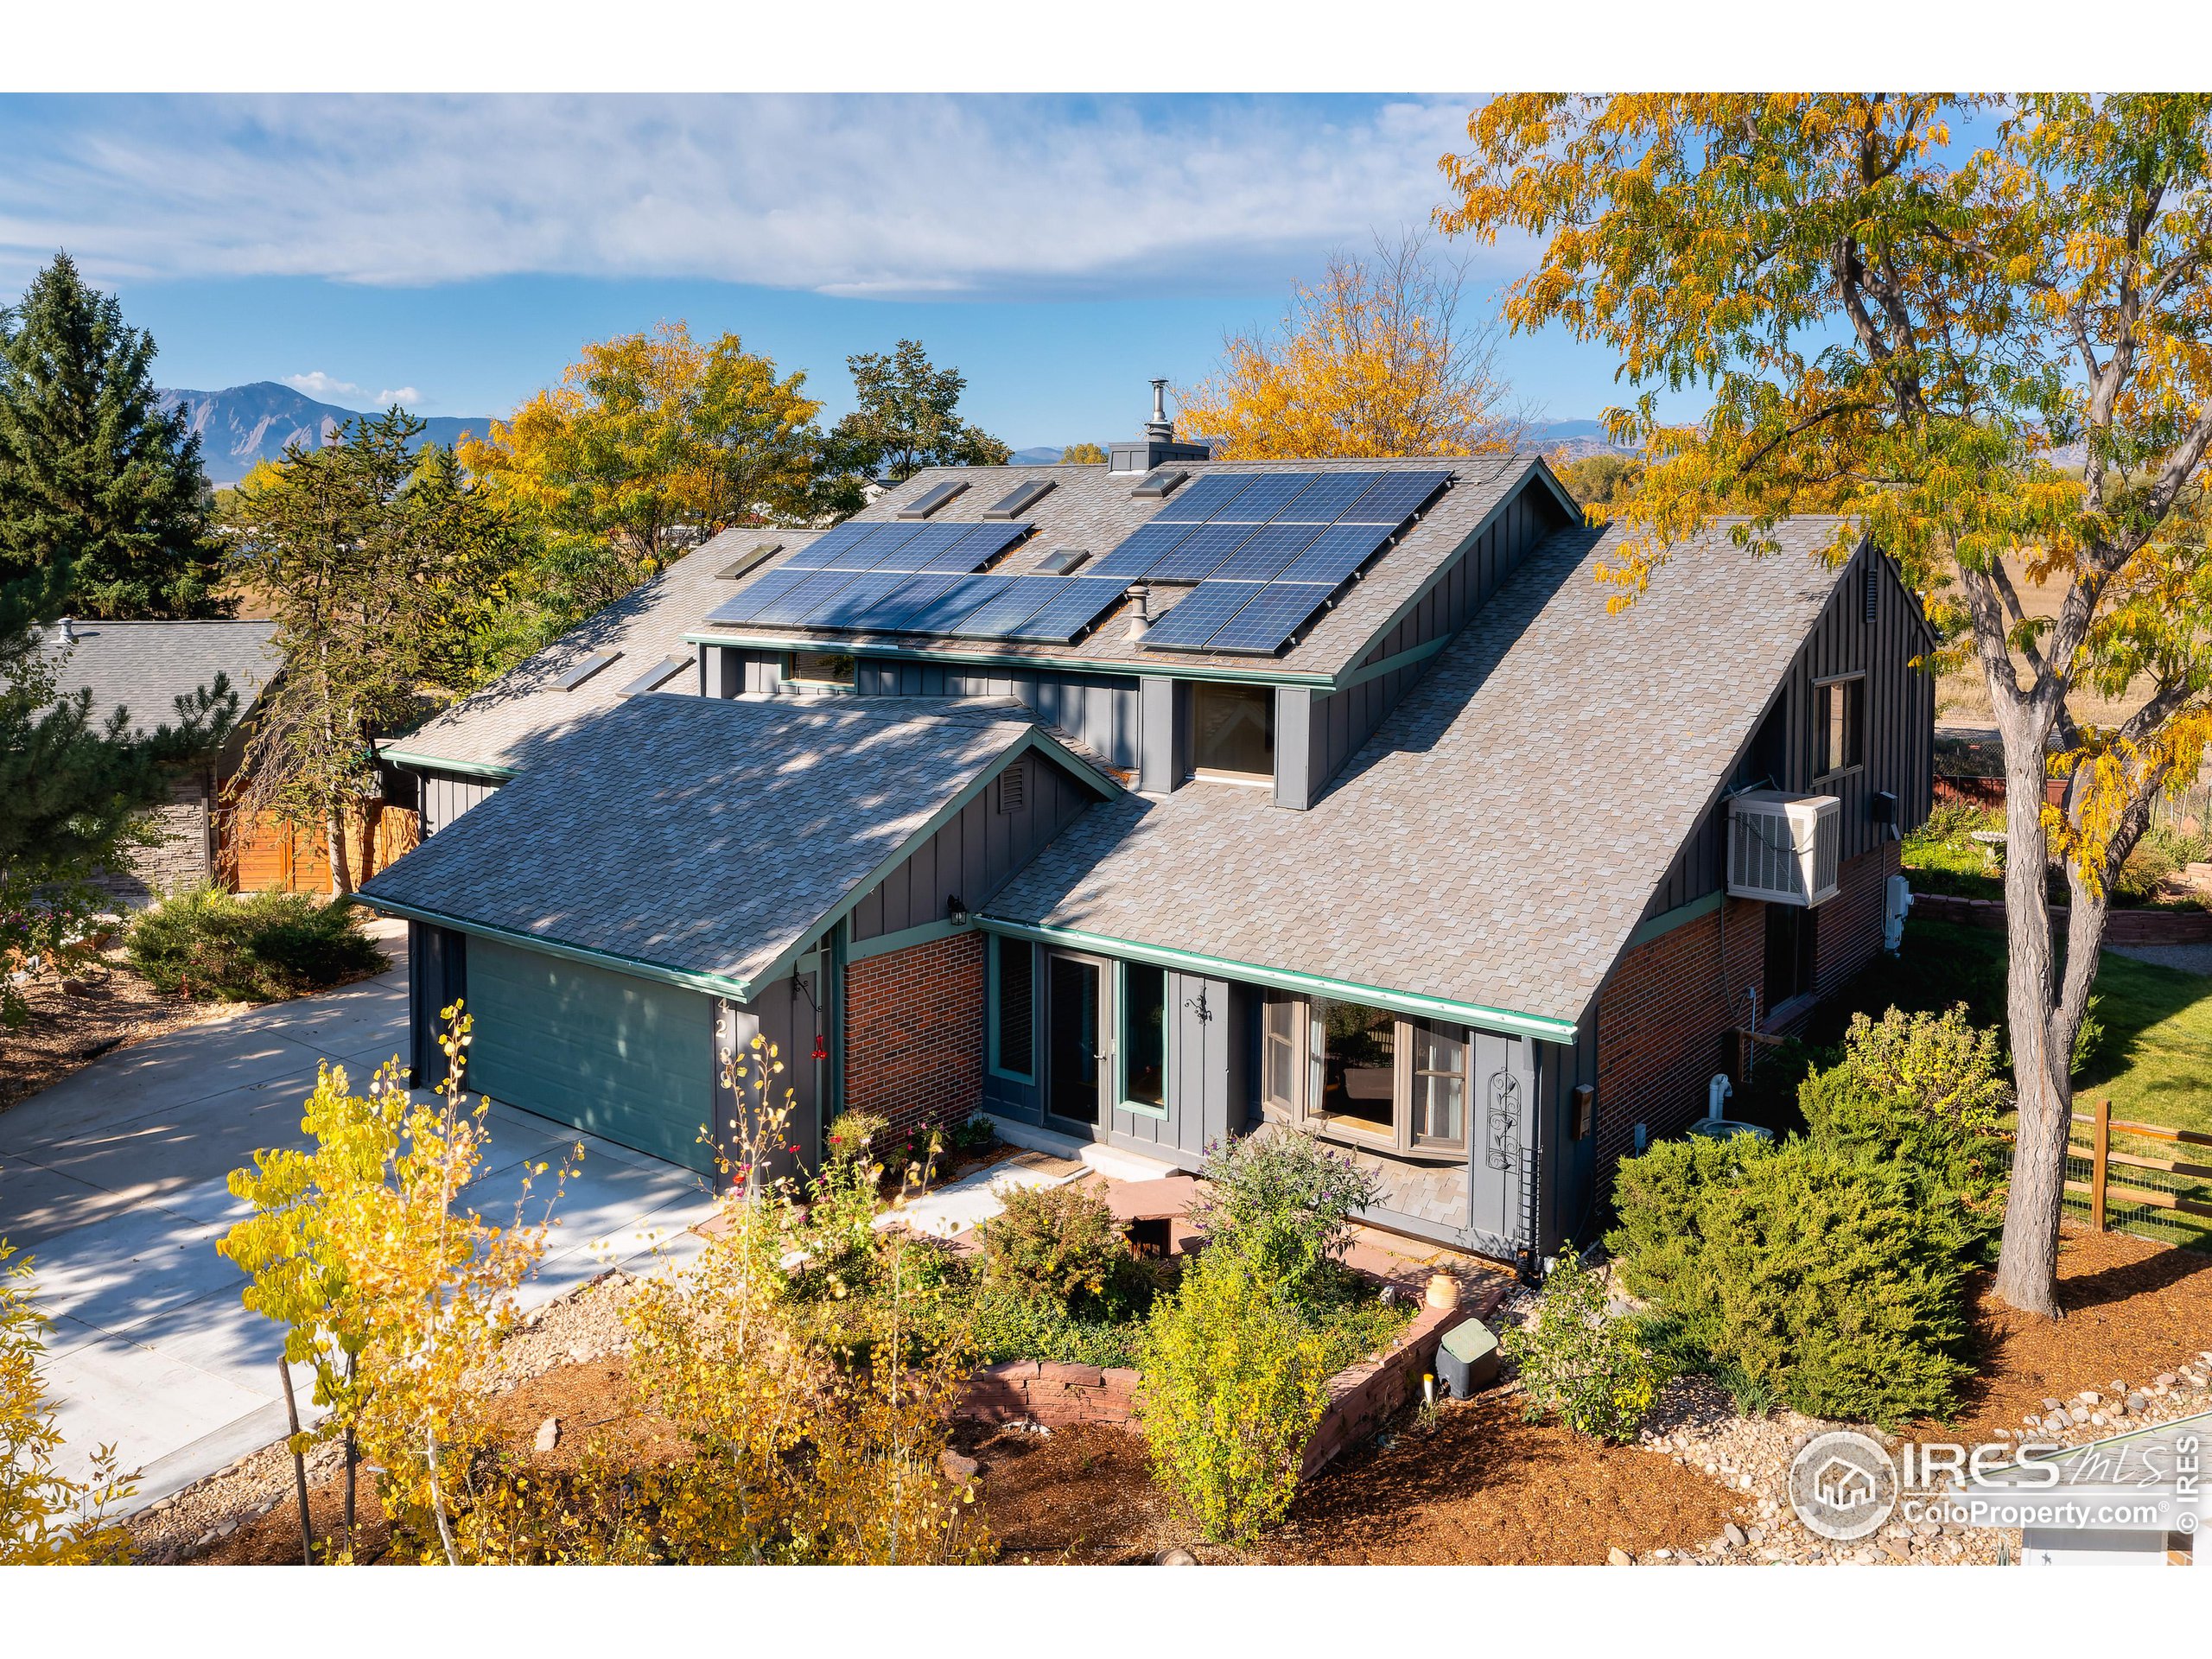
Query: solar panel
{"x": 890, "y": 614}
{"x": 1327, "y": 497}
{"x": 1395, "y": 498}
{"x": 1265, "y": 495}
{"x": 1022, "y": 597}
{"x": 942, "y": 614}
{"x": 1335, "y": 553}
{"x": 1075, "y": 605}
{"x": 772, "y": 585}
{"x": 1272, "y": 615}
{"x": 1140, "y": 550}
{"x": 975, "y": 546}
{"x": 881, "y": 549}
{"x": 845, "y": 607}
{"x": 1020, "y": 498}
{"x": 933, "y": 498}
{"x": 795, "y": 604}
{"x": 1198, "y": 555}
{"x": 911, "y": 546}
{"x": 817, "y": 553}
{"x": 1270, "y": 548}
{"x": 1203, "y": 500}
{"x": 1190, "y": 625}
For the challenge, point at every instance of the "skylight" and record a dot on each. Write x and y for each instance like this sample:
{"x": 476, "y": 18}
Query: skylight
{"x": 583, "y": 670}
{"x": 1159, "y": 481}
{"x": 933, "y": 498}
{"x": 655, "y": 676}
{"x": 1020, "y": 498}
{"x": 745, "y": 563}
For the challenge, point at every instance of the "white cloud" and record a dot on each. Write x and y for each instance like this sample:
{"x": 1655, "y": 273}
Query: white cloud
{"x": 328, "y": 388}
{"x": 879, "y": 195}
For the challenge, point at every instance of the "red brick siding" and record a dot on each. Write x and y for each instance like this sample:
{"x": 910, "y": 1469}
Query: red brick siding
{"x": 914, "y": 1032}
{"x": 1664, "y": 1018}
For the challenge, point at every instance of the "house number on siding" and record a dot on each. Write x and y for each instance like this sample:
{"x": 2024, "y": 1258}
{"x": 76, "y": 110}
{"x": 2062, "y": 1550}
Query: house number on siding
{"x": 1503, "y": 1150}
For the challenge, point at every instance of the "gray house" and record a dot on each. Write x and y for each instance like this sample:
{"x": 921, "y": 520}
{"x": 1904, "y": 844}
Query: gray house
{"x": 1143, "y": 804}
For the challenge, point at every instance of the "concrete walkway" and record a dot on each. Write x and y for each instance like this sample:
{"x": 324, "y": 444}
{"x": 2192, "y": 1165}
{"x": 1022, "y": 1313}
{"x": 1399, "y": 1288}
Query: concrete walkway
{"x": 115, "y": 1181}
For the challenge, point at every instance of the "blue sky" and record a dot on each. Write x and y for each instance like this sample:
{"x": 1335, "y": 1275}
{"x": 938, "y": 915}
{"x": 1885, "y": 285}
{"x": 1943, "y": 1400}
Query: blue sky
{"x": 456, "y": 251}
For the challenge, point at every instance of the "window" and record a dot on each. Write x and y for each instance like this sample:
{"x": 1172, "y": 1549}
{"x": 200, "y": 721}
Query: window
{"x": 820, "y": 668}
{"x": 1279, "y": 1059}
{"x": 1144, "y": 1036}
{"x": 1439, "y": 1105}
{"x": 1840, "y": 737}
{"x": 1233, "y": 730}
{"x": 1013, "y": 995}
{"x": 1359, "y": 1069}
{"x": 1790, "y": 953}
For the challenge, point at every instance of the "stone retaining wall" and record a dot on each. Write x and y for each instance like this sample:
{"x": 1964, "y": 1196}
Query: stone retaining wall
{"x": 1052, "y": 1393}
{"x": 1365, "y": 1396}
{"x": 2121, "y": 926}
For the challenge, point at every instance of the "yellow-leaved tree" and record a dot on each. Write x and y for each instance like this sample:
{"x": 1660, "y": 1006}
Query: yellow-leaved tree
{"x": 1981, "y": 329}
{"x": 393, "y": 1294}
{"x": 46, "y": 1519}
{"x": 1375, "y": 359}
{"x": 651, "y": 443}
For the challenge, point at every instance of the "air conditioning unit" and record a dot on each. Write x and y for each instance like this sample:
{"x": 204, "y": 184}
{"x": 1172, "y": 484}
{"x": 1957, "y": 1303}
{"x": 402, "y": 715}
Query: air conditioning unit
{"x": 1785, "y": 848}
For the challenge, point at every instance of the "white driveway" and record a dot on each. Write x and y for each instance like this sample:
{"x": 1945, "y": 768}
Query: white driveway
{"x": 115, "y": 1181}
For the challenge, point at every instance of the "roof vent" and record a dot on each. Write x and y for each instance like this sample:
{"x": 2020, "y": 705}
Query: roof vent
{"x": 1140, "y": 610}
{"x": 1785, "y": 848}
{"x": 933, "y": 498}
{"x": 1158, "y": 443}
{"x": 66, "y": 627}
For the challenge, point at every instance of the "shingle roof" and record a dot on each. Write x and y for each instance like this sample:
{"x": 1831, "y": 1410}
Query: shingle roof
{"x": 1091, "y": 508}
{"x": 701, "y": 834}
{"x": 1497, "y": 840}
{"x": 525, "y": 707}
{"x": 146, "y": 666}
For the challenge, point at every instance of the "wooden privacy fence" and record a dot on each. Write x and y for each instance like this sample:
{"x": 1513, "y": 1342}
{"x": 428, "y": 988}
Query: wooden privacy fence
{"x": 2131, "y": 1180}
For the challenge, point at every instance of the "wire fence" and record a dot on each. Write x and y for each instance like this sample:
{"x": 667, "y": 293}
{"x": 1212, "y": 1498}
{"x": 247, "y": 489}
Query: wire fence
{"x": 2149, "y": 1180}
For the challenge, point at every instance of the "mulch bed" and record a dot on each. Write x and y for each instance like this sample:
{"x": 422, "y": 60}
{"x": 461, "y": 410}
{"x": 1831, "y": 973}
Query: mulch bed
{"x": 2133, "y": 1309}
{"x": 68, "y": 1031}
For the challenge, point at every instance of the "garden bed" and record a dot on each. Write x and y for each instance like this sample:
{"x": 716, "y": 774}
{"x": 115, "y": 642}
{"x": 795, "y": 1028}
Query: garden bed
{"x": 110, "y": 1007}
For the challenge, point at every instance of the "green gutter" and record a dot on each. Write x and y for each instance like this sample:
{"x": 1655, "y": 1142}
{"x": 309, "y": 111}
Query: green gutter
{"x": 1505, "y": 1021}
{"x": 715, "y": 984}
{"x": 442, "y": 763}
{"x": 1107, "y": 666}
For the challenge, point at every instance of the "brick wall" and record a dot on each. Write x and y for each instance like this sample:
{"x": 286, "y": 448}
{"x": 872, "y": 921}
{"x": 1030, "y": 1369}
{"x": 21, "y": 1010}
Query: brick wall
{"x": 914, "y": 1032}
{"x": 183, "y": 857}
{"x": 1664, "y": 1018}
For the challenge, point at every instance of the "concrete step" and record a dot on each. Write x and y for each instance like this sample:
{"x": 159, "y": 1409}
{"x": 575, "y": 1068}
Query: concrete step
{"x": 1112, "y": 1163}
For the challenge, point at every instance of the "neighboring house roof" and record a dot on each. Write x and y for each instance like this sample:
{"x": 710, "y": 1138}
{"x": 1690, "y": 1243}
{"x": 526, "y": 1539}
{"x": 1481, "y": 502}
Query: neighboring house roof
{"x": 710, "y": 838}
{"x": 1496, "y": 843}
{"x": 146, "y": 666}
{"x": 524, "y": 707}
{"x": 1091, "y": 508}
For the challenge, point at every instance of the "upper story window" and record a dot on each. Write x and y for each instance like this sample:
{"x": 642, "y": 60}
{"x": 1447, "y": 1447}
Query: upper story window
{"x": 1233, "y": 732}
{"x": 820, "y": 668}
{"x": 1840, "y": 725}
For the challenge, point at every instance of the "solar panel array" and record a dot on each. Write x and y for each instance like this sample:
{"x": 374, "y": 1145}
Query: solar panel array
{"x": 904, "y": 578}
{"x": 1266, "y": 550}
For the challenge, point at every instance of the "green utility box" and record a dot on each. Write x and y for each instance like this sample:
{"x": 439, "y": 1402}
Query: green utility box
{"x": 1467, "y": 1359}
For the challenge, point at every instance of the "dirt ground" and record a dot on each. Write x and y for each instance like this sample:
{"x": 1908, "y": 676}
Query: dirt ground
{"x": 111, "y": 1008}
{"x": 2133, "y": 1309}
{"x": 1480, "y": 1487}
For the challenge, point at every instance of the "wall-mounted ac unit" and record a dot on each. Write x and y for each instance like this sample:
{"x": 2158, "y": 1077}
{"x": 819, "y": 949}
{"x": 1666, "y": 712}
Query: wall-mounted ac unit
{"x": 1785, "y": 848}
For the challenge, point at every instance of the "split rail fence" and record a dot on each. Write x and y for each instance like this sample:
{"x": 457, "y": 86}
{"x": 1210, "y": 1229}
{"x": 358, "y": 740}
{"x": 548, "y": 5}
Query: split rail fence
{"x": 2139, "y": 1177}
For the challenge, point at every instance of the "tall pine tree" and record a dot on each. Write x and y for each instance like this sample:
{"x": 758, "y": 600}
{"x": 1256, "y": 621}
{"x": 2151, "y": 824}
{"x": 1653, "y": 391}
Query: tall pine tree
{"x": 94, "y": 480}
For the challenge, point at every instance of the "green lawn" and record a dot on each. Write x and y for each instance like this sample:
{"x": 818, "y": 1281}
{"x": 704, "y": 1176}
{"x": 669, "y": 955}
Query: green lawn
{"x": 2154, "y": 1063}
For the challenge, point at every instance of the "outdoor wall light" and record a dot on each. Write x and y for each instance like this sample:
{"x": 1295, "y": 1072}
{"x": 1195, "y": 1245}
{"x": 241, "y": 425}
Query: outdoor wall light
{"x": 954, "y": 911}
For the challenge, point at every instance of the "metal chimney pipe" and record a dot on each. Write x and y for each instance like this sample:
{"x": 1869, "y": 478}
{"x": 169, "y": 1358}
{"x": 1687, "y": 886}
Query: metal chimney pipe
{"x": 1159, "y": 427}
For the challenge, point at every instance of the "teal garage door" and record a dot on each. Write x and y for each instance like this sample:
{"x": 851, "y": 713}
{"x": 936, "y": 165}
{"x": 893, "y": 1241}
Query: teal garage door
{"x": 625, "y": 1059}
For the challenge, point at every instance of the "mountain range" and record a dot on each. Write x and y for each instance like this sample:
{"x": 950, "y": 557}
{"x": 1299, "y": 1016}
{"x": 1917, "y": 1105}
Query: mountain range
{"x": 240, "y": 427}
{"x": 1570, "y": 438}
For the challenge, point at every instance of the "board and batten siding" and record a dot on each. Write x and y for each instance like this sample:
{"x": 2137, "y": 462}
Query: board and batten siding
{"x": 447, "y": 795}
{"x": 1316, "y": 733}
{"x": 1099, "y": 711}
{"x": 976, "y": 851}
{"x": 1209, "y": 1078}
{"x": 1899, "y": 736}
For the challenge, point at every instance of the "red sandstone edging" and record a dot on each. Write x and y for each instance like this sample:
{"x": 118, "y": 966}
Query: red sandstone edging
{"x": 2121, "y": 926}
{"x": 1363, "y": 1397}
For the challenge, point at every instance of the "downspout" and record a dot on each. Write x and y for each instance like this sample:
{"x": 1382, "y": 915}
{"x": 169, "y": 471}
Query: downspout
{"x": 1532, "y": 1257}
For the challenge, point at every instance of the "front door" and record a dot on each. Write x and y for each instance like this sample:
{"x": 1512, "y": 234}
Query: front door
{"x": 1075, "y": 1025}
